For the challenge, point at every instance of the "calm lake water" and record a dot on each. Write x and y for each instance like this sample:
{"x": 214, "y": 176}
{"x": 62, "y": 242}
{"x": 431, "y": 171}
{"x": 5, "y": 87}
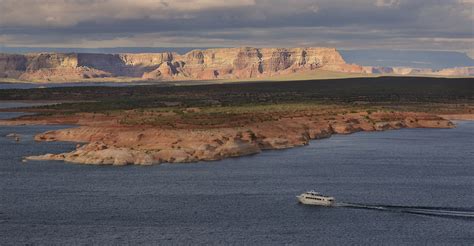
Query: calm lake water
{"x": 249, "y": 200}
{"x": 74, "y": 84}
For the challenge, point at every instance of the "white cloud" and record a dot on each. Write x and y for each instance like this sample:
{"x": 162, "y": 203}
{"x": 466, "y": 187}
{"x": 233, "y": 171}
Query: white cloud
{"x": 468, "y": 9}
{"x": 387, "y": 3}
{"x": 71, "y": 12}
{"x": 108, "y": 23}
{"x": 196, "y": 5}
{"x": 470, "y": 53}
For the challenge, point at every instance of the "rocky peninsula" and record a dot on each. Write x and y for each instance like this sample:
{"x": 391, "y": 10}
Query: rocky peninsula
{"x": 145, "y": 125}
{"x": 108, "y": 143}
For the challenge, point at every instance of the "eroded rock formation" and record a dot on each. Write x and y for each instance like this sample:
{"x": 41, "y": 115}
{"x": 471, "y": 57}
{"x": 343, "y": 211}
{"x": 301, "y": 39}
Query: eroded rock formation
{"x": 210, "y": 64}
{"x": 122, "y": 145}
{"x": 225, "y": 63}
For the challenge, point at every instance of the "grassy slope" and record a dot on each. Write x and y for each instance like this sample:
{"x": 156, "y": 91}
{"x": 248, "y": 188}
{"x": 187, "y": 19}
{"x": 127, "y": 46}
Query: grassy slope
{"x": 240, "y": 104}
{"x": 391, "y": 90}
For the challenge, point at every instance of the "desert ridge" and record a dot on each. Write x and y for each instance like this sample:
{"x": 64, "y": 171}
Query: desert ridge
{"x": 210, "y": 64}
{"x": 222, "y": 63}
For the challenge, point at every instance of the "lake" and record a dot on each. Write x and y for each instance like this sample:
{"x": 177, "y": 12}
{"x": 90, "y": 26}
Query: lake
{"x": 381, "y": 180}
{"x": 75, "y": 84}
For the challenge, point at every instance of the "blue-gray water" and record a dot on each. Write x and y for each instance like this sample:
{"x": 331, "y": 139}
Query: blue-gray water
{"x": 70, "y": 84}
{"x": 249, "y": 200}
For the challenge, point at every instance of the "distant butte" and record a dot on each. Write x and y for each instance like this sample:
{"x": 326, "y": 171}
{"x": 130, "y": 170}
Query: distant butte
{"x": 210, "y": 64}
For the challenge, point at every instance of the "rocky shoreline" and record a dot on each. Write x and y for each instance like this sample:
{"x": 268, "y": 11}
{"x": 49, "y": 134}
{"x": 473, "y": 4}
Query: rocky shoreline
{"x": 108, "y": 144}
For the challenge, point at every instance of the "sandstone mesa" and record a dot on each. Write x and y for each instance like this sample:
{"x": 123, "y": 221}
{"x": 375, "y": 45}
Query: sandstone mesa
{"x": 224, "y": 63}
{"x": 210, "y": 64}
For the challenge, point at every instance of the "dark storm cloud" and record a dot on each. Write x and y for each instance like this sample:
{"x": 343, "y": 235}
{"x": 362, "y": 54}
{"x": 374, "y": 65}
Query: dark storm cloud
{"x": 421, "y": 23}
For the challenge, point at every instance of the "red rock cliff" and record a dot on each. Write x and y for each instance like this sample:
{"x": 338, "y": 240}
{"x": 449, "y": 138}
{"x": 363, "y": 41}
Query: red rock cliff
{"x": 224, "y": 63}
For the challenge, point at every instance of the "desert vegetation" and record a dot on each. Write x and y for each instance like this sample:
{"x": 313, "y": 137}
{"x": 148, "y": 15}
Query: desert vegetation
{"x": 154, "y": 124}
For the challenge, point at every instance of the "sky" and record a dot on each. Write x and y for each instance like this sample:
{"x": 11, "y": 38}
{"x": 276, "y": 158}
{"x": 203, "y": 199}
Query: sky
{"x": 345, "y": 24}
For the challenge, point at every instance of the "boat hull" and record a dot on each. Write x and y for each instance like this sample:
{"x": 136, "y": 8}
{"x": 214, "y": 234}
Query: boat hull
{"x": 303, "y": 200}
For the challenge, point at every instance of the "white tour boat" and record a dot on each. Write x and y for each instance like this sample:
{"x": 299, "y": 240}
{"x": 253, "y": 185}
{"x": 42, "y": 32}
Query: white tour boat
{"x": 315, "y": 198}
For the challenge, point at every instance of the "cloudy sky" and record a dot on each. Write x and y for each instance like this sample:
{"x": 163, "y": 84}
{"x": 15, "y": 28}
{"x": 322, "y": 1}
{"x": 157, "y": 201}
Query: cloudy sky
{"x": 346, "y": 24}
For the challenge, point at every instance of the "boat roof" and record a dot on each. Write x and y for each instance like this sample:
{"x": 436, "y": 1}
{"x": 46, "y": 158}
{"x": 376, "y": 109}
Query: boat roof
{"x": 312, "y": 192}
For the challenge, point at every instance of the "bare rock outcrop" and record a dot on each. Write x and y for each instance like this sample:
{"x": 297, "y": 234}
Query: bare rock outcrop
{"x": 210, "y": 64}
{"x": 224, "y": 63}
{"x": 12, "y": 66}
{"x": 100, "y": 154}
{"x": 122, "y": 145}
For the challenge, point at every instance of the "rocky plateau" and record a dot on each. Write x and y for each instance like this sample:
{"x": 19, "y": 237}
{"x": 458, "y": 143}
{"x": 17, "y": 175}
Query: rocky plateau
{"x": 224, "y": 63}
{"x": 210, "y": 64}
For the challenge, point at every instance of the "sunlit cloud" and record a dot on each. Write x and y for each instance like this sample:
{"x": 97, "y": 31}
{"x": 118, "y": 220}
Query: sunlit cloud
{"x": 387, "y": 3}
{"x": 398, "y": 24}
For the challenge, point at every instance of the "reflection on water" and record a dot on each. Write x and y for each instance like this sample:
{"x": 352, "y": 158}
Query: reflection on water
{"x": 9, "y": 104}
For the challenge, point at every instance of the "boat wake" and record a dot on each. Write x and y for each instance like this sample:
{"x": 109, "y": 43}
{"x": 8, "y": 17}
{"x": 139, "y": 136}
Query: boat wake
{"x": 461, "y": 213}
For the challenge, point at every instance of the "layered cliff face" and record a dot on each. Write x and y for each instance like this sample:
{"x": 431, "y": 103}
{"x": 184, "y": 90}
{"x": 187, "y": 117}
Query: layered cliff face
{"x": 241, "y": 63}
{"x": 448, "y": 72}
{"x": 47, "y": 67}
{"x": 210, "y": 64}
{"x": 225, "y": 63}
{"x": 12, "y": 66}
